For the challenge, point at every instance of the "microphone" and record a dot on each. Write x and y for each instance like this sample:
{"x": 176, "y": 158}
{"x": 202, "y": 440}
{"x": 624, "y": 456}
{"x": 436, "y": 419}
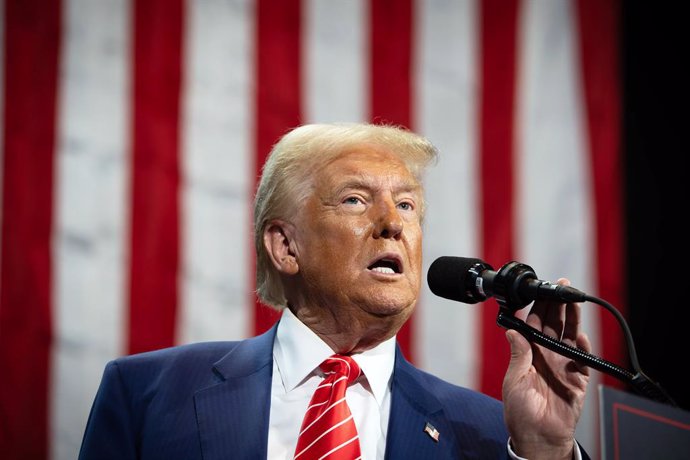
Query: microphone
{"x": 514, "y": 285}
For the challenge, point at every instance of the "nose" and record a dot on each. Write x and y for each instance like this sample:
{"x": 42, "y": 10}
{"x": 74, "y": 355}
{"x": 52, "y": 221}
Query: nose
{"x": 387, "y": 220}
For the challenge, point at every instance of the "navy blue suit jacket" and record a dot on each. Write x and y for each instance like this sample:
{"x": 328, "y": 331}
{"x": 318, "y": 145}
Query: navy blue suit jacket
{"x": 212, "y": 401}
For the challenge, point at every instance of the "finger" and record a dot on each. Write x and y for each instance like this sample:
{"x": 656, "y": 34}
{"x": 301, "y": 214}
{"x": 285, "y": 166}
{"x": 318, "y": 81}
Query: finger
{"x": 537, "y": 314}
{"x": 582, "y": 342}
{"x": 556, "y": 315}
{"x": 573, "y": 323}
{"x": 548, "y": 316}
{"x": 520, "y": 356}
{"x": 554, "y": 321}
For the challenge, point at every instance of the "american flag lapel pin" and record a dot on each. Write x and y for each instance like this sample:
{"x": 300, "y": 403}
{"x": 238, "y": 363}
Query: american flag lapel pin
{"x": 431, "y": 431}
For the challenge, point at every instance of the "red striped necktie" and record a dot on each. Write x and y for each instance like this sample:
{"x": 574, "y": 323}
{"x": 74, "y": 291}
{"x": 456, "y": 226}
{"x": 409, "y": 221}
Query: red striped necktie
{"x": 328, "y": 429}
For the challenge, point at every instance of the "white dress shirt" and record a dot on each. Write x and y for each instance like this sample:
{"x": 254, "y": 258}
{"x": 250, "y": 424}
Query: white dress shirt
{"x": 297, "y": 354}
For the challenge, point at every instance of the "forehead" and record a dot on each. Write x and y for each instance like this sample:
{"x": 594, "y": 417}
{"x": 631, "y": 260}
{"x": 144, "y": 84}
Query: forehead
{"x": 368, "y": 163}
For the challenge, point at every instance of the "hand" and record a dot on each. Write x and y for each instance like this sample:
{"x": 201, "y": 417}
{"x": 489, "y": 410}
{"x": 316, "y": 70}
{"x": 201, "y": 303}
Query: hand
{"x": 544, "y": 392}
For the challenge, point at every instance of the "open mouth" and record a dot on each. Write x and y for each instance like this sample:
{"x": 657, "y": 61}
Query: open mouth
{"x": 386, "y": 265}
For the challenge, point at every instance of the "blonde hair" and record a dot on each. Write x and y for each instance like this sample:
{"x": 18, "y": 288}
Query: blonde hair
{"x": 284, "y": 179}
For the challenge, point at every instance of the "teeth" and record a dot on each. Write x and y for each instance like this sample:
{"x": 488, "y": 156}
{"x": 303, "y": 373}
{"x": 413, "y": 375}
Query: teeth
{"x": 383, "y": 270}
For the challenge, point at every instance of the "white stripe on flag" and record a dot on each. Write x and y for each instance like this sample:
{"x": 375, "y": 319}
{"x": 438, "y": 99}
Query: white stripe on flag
{"x": 335, "y": 59}
{"x": 216, "y": 154}
{"x": 446, "y": 76}
{"x": 90, "y": 230}
{"x": 555, "y": 230}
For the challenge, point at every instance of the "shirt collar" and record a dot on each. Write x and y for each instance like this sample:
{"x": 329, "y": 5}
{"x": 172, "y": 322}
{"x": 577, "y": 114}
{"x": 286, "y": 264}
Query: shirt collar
{"x": 298, "y": 351}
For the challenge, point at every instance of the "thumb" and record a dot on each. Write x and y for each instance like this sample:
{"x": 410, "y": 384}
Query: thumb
{"x": 520, "y": 355}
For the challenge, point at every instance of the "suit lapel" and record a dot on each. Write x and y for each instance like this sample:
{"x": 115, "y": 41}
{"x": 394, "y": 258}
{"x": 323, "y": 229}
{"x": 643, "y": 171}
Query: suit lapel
{"x": 233, "y": 413}
{"x": 413, "y": 407}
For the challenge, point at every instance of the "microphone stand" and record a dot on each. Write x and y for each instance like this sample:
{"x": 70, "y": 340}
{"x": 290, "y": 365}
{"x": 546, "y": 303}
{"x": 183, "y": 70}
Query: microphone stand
{"x": 636, "y": 379}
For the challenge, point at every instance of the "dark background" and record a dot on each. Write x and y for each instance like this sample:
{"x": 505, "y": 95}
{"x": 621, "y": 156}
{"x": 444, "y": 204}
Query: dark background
{"x": 655, "y": 146}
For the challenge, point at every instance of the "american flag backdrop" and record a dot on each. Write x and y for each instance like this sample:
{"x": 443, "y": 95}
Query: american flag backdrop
{"x": 133, "y": 134}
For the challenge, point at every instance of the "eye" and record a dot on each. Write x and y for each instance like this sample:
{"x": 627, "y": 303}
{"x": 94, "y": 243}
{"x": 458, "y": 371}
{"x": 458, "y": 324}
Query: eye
{"x": 406, "y": 206}
{"x": 352, "y": 200}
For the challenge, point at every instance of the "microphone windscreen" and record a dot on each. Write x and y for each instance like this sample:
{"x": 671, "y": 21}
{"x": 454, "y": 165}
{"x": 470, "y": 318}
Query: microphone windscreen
{"x": 448, "y": 277}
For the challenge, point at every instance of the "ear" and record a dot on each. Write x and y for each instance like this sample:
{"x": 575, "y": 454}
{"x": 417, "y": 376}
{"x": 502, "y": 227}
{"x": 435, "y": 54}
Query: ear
{"x": 280, "y": 247}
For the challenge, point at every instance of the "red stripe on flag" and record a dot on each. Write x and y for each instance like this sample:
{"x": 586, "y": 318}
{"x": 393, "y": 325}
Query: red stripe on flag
{"x": 154, "y": 258}
{"x": 278, "y": 96}
{"x": 497, "y": 110}
{"x": 391, "y": 62}
{"x": 598, "y": 31}
{"x": 32, "y": 41}
{"x": 391, "y": 86}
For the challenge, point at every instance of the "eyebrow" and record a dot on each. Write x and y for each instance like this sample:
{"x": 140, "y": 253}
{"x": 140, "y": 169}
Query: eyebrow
{"x": 364, "y": 182}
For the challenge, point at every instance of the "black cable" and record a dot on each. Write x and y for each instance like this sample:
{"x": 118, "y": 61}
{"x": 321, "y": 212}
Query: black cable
{"x": 632, "y": 353}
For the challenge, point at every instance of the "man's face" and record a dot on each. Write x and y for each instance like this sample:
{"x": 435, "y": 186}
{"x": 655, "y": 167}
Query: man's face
{"x": 358, "y": 237}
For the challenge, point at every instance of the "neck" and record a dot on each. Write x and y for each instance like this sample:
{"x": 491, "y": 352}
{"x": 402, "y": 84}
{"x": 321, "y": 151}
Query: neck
{"x": 344, "y": 333}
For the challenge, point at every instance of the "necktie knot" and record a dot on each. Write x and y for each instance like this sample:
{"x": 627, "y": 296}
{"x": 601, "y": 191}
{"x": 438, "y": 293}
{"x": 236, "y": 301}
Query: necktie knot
{"x": 341, "y": 366}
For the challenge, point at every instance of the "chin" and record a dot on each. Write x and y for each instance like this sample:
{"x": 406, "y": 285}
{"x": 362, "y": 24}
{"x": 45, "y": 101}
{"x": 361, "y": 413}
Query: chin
{"x": 390, "y": 305}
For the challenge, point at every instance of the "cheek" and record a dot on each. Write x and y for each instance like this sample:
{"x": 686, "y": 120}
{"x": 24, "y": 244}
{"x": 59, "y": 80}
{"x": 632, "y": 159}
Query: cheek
{"x": 415, "y": 254}
{"x": 361, "y": 229}
{"x": 335, "y": 241}
{"x": 414, "y": 241}
{"x": 352, "y": 227}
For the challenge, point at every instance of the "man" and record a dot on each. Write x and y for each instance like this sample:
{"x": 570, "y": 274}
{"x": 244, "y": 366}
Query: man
{"x": 338, "y": 234}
